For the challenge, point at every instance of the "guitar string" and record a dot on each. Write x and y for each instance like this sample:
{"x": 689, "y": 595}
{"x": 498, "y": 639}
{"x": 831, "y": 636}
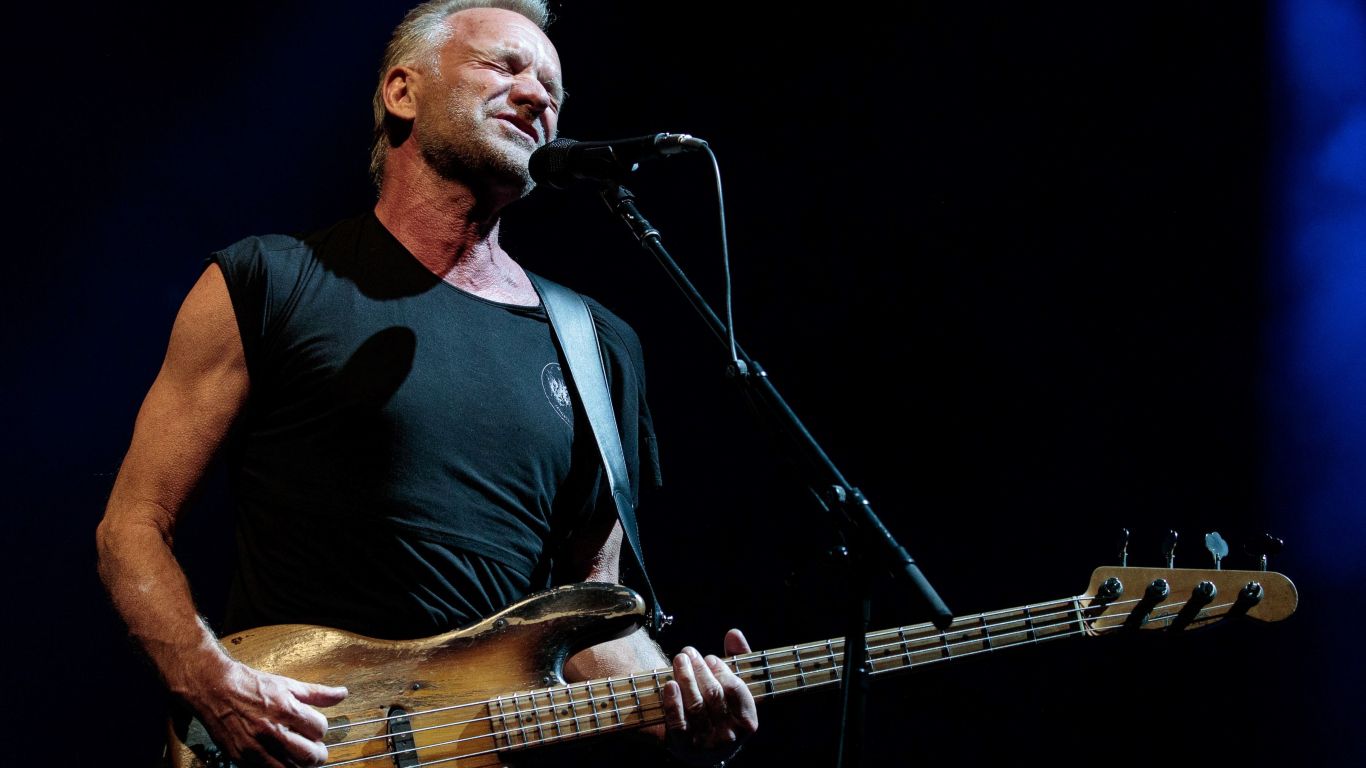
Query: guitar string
{"x": 559, "y": 725}
{"x": 968, "y": 623}
{"x": 652, "y": 720}
{"x": 929, "y": 643}
{"x": 747, "y": 657}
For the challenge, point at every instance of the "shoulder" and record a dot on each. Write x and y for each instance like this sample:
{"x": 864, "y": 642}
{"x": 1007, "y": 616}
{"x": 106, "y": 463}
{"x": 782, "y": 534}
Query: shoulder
{"x": 612, "y": 327}
{"x": 277, "y": 248}
{"x": 617, "y": 338}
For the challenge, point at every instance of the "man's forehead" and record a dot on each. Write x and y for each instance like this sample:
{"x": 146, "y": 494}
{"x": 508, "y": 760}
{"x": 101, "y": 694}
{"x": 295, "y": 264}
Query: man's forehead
{"x": 496, "y": 28}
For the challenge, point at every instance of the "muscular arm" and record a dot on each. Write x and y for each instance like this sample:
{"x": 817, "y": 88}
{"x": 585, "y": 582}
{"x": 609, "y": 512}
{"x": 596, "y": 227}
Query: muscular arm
{"x": 595, "y": 555}
{"x": 192, "y": 403}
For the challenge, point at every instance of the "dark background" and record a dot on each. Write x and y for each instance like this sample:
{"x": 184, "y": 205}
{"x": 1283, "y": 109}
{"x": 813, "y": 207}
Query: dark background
{"x": 1016, "y": 267}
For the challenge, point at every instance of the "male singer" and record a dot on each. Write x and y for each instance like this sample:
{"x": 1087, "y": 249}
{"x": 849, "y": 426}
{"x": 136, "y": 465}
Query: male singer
{"x": 387, "y": 392}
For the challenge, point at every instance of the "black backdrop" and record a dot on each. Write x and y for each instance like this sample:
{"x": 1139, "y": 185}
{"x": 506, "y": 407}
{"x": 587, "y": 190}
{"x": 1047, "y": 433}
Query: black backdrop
{"x": 1008, "y": 263}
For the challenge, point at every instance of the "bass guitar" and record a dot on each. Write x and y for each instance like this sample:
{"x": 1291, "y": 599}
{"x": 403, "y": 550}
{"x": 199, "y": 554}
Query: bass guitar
{"x": 478, "y": 695}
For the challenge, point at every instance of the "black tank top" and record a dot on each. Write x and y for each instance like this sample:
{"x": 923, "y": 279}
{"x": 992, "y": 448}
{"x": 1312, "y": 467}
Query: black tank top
{"x": 407, "y": 446}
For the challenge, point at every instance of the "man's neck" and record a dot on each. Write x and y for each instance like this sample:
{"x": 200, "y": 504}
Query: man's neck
{"x": 453, "y": 233}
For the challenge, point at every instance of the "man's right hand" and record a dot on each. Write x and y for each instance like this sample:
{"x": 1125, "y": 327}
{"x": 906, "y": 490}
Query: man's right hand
{"x": 260, "y": 719}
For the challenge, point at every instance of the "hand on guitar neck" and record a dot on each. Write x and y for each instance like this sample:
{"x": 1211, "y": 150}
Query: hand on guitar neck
{"x": 708, "y": 710}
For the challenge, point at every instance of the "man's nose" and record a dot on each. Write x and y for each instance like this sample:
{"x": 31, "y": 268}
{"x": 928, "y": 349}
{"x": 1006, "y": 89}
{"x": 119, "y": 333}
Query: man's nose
{"x": 529, "y": 91}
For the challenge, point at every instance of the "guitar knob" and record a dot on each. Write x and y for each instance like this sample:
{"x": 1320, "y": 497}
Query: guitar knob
{"x": 1169, "y": 548}
{"x": 1218, "y": 548}
{"x": 1263, "y": 547}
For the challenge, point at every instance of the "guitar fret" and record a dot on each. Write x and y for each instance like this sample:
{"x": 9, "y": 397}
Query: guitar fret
{"x": 658, "y": 692}
{"x": 573, "y": 709}
{"x": 635, "y": 694}
{"x": 521, "y": 719}
{"x": 593, "y": 707}
{"x": 1030, "y": 632}
{"x": 835, "y": 664}
{"x": 502, "y": 721}
{"x": 753, "y": 673}
{"x": 986, "y": 632}
{"x": 540, "y": 723}
{"x": 905, "y": 646}
{"x": 552, "y": 710}
{"x": 616, "y": 703}
{"x": 797, "y": 660}
{"x": 768, "y": 672}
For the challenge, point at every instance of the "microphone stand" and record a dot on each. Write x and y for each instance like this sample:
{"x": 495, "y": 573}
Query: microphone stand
{"x": 872, "y": 545}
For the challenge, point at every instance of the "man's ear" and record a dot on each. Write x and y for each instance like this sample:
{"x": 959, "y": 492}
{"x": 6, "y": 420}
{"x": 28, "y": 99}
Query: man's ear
{"x": 401, "y": 86}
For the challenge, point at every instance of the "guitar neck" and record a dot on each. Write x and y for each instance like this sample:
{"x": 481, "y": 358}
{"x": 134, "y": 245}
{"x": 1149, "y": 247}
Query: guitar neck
{"x": 810, "y": 665}
{"x": 568, "y": 712}
{"x": 1118, "y": 599}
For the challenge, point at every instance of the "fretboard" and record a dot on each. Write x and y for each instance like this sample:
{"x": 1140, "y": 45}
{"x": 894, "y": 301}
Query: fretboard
{"x": 568, "y": 712}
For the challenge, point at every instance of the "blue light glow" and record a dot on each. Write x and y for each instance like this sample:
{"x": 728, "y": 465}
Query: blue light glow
{"x": 1317, "y": 354}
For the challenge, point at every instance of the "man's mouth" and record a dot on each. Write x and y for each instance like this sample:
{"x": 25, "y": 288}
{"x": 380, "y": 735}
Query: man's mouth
{"x": 525, "y": 126}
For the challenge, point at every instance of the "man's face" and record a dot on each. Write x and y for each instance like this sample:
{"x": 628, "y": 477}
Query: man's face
{"x": 495, "y": 99}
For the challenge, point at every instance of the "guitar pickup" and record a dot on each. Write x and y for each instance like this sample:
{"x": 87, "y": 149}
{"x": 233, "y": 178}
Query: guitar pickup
{"x": 401, "y": 741}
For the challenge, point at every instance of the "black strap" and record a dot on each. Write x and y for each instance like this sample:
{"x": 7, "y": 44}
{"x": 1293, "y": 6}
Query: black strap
{"x": 578, "y": 338}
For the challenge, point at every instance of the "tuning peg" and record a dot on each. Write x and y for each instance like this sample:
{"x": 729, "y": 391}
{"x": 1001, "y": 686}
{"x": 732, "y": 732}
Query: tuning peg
{"x": 1169, "y": 548}
{"x": 1248, "y": 598}
{"x": 1264, "y": 546}
{"x": 1123, "y": 547}
{"x": 1218, "y": 548}
{"x": 1156, "y": 592}
{"x": 1203, "y": 594}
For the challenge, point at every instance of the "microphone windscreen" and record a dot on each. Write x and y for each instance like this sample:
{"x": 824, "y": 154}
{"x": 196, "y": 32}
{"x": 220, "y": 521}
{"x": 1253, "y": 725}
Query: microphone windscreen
{"x": 549, "y": 163}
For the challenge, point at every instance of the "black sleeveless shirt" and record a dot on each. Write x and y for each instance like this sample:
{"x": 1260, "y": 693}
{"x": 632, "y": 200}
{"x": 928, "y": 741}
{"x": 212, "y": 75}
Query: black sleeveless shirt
{"x": 407, "y": 447}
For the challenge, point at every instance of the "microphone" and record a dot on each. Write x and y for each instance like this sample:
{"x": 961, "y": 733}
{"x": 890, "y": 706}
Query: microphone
{"x": 560, "y": 162}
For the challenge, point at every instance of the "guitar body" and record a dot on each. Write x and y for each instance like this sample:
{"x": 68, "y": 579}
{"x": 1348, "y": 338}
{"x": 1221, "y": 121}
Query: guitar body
{"x": 520, "y": 648}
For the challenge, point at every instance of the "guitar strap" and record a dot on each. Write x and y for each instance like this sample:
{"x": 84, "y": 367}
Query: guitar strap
{"x": 578, "y": 339}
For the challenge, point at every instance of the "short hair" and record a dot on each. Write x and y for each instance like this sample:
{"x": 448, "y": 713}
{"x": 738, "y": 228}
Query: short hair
{"x": 417, "y": 39}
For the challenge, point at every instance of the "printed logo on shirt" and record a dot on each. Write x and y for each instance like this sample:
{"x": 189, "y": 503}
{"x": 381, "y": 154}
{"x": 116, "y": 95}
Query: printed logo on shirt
{"x": 557, "y": 392}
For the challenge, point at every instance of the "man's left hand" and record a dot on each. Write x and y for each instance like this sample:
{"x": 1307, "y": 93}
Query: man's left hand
{"x": 708, "y": 711}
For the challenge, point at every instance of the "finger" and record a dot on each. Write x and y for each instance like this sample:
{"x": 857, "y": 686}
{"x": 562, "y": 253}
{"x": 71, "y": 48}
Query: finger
{"x": 712, "y": 694}
{"x": 294, "y": 748}
{"x": 740, "y": 707}
{"x": 304, "y": 719}
{"x": 687, "y": 682}
{"x": 318, "y": 695}
{"x": 299, "y": 718}
{"x": 671, "y": 700}
{"x": 735, "y": 643}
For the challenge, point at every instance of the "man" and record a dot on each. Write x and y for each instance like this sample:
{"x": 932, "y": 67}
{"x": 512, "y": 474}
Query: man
{"x": 397, "y": 472}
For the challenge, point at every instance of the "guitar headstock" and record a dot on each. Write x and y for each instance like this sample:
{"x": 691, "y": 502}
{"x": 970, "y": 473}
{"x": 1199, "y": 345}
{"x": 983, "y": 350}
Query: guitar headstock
{"x": 1182, "y": 598}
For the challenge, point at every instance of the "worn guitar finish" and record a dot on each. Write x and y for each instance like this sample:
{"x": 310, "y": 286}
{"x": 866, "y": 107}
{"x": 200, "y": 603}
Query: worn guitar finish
{"x": 474, "y": 696}
{"x": 521, "y": 648}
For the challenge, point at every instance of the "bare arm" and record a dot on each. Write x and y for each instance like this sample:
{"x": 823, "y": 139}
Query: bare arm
{"x": 184, "y": 419}
{"x": 708, "y": 711}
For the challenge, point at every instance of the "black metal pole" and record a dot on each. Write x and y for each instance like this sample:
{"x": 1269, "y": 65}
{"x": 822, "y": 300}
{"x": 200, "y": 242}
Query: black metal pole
{"x": 873, "y": 543}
